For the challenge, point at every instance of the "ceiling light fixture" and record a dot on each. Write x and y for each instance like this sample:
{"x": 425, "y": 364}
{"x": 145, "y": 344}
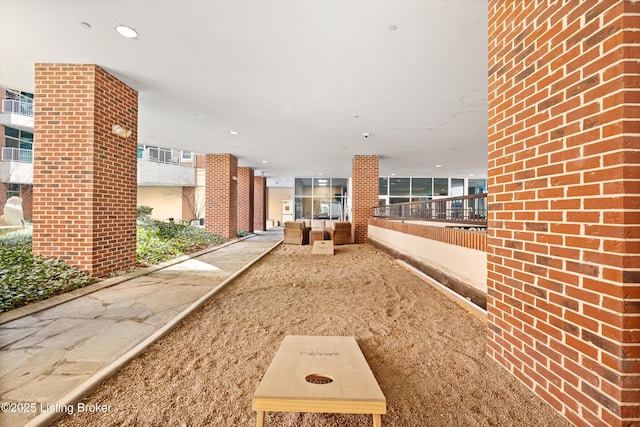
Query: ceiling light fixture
{"x": 264, "y": 161}
{"x": 127, "y": 32}
{"x": 438, "y": 166}
{"x": 233, "y": 132}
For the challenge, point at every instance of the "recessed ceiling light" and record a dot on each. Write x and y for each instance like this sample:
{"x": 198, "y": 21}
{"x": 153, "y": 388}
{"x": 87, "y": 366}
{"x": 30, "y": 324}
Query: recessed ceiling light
{"x": 127, "y": 32}
{"x": 319, "y": 173}
{"x": 438, "y": 166}
{"x": 233, "y": 132}
{"x": 264, "y": 161}
{"x": 471, "y": 174}
{"x": 393, "y": 174}
{"x": 393, "y": 27}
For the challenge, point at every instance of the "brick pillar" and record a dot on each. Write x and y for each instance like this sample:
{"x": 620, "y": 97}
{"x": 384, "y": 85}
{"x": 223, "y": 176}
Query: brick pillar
{"x": 189, "y": 208}
{"x": 221, "y": 205}
{"x": 26, "y": 194}
{"x": 245, "y": 199}
{"x": 84, "y": 192}
{"x": 364, "y": 195}
{"x": 259, "y": 203}
{"x": 3, "y": 196}
{"x": 564, "y": 219}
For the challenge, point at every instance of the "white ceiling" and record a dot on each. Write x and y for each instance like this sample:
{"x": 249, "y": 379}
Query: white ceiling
{"x": 300, "y": 80}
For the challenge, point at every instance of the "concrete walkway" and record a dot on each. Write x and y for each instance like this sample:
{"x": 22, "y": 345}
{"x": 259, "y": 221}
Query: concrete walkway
{"x": 51, "y": 354}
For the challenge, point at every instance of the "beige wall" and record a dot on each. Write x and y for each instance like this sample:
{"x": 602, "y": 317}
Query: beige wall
{"x": 466, "y": 265}
{"x": 165, "y": 201}
{"x": 276, "y": 196}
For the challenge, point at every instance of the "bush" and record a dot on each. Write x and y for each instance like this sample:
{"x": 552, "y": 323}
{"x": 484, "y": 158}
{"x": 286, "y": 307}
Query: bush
{"x": 143, "y": 212}
{"x": 159, "y": 241}
{"x": 25, "y": 278}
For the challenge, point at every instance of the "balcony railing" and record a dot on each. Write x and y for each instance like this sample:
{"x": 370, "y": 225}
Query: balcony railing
{"x": 161, "y": 155}
{"x": 17, "y": 107}
{"x": 464, "y": 209}
{"x": 20, "y": 155}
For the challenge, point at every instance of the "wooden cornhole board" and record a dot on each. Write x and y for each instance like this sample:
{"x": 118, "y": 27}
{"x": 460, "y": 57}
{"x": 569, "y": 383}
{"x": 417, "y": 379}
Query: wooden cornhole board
{"x": 322, "y": 247}
{"x": 284, "y": 387}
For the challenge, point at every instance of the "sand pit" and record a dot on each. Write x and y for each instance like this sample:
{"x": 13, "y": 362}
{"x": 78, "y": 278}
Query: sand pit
{"x": 427, "y": 354}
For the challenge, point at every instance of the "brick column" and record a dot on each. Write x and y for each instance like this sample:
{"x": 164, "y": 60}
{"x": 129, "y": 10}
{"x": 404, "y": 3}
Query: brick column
{"x": 260, "y": 203}
{"x": 245, "y": 199}
{"x": 564, "y": 220}
{"x": 26, "y": 194}
{"x": 84, "y": 192}
{"x": 189, "y": 208}
{"x": 364, "y": 196}
{"x": 221, "y": 205}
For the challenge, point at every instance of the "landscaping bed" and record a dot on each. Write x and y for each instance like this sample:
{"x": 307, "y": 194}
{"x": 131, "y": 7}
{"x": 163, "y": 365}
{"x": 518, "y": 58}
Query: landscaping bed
{"x": 25, "y": 278}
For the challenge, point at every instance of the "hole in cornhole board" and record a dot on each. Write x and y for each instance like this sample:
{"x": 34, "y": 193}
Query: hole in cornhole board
{"x": 318, "y": 379}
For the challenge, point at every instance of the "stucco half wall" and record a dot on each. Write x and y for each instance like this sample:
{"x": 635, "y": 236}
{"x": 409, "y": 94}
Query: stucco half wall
{"x": 455, "y": 266}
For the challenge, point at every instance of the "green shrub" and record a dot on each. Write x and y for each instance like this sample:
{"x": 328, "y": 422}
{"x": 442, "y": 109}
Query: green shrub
{"x": 143, "y": 212}
{"x": 25, "y": 278}
{"x": 159, "y": 241}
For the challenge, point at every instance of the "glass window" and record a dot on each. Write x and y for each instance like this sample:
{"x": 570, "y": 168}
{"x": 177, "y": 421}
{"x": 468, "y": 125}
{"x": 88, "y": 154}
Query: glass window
{"x": 441, "y": 186}
{"x": 477, "y": 186}
{"x": 421, "y": 189}
{"x": 457, "y": 187}
{"x": 13, "y": 190}
{"x": 383, "y": 186}
{"x": 400, "y": 187}
{"x": 186, "y": 155}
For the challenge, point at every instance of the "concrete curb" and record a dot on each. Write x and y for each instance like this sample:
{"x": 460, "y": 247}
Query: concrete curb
{"x": 87, "y": 387}
{"x": 35, "y": 307}
{"x": 469, "y": 306}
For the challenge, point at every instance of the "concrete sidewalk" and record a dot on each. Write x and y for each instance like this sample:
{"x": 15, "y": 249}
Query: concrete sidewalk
{"x": 48, "y": 355}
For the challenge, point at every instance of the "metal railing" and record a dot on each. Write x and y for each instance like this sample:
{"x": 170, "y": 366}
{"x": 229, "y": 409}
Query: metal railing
{"x": 21, "y": 155}
{"x": 464, "y": 209}
{"x": 161, "y": 155}
{"x": 17, "y": 107}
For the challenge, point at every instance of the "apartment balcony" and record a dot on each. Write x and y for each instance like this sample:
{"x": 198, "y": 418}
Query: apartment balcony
{"x": 17, "y": 114}
{"x": 16, "y": 166}
{"x": 163, "y": 167}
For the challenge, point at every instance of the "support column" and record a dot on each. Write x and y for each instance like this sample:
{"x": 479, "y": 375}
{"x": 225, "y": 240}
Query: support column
{"x": 260, "y": 203}
{"x": 189, "y": 206}
{"x": 564, "y": 219}
{"x": 364, "y": 197}
{"x": 221, "y": 204}
{"x": 84, "y": 193}
{"x": 245, "y": 199}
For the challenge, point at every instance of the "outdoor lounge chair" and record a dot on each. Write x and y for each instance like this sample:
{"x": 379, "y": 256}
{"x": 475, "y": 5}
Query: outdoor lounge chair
{"x": 296, "y": 233}
{"x": 339, "y": 232}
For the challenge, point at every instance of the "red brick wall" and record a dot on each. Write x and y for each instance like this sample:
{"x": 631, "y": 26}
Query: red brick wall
{"x": 245, "y": 199}
{"x": 189, "y": 208}
{"x": 221, "y": 205}
{"x": 3, "y": 197}
{"x": 563, "y": 248}
{"x": 26, "y": 194}
{"x": 259, "y": 203}
{"x": 365, "y": 174}
{"x": 84, "y": 195}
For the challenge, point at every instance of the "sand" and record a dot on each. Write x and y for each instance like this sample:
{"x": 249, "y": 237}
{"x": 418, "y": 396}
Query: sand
{"x": 427, "y": 353}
